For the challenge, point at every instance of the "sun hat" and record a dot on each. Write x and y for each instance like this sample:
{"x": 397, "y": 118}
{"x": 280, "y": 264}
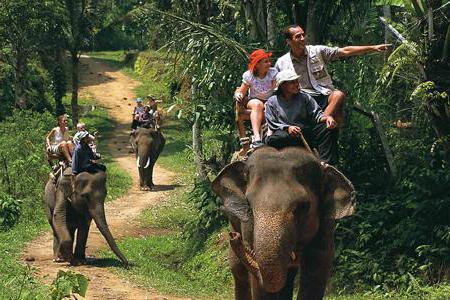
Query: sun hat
{"x": 255, "y": 57}
{"x": 285, "y": 75}
{"x": 138, "y": 100}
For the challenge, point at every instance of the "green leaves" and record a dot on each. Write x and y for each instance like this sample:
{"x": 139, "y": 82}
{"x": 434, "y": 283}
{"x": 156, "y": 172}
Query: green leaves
{"x": 9, "y": 211}
{"x": 67, "y": 284}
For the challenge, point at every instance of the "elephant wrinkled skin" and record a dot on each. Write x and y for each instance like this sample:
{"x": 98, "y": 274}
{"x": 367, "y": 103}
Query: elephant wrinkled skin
{"x": 147, "y": 144}
{"x": 68, "y": 212}
{"x": 282, "y": 207}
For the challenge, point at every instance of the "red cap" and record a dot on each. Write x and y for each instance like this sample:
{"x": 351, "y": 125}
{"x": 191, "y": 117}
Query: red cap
{"x": 255, "y": 57}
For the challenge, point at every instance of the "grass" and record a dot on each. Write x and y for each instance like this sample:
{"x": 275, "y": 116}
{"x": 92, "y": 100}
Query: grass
{"x": 16, "y": 280}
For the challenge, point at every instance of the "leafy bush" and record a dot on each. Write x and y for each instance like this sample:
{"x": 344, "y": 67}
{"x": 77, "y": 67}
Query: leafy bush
{"x": 208, "y": 218}
{"x": 9, "y": 211}
{"x": 23, "y": 166}
{"x": 67, "y": 284}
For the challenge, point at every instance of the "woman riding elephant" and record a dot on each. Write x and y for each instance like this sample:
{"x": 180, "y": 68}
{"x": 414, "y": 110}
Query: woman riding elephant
{"x": 59, "y": 141}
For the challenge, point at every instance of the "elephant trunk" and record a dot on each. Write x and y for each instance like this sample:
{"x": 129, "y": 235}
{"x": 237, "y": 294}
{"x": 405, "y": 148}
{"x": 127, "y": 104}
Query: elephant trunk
{"x": 100, "y": 220}
{"x": 272, "y": 251}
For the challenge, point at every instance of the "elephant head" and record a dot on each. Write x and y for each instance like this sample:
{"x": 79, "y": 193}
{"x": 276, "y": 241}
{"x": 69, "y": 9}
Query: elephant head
{"x": 148, "y": 144}
{"x": 75, "y": 210}
{"x": 284, "y": 196}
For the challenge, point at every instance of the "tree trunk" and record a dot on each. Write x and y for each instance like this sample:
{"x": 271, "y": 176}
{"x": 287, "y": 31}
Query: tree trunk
{"x": 446, "y": 49}
{"x": 250, "y": 20}
{"x": 20, "y": 82}
{"x": 271, "y": 30}
{"x": 256, "y": 20}
{"x": 388, "y": 16}
{"x": 197, "y": 146}
{"x": 75, "y": 83}
{"x": 59, "y": 82}
{"x": 313, "y": 35}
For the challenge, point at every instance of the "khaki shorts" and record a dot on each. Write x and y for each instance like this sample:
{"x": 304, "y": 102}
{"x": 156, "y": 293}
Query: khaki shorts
{"x": 54, "y": 149}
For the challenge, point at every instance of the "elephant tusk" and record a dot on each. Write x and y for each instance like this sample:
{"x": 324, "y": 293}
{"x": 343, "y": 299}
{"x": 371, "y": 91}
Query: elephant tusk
{"x": 148, "y": 163}
{"x": 137, "y": 162}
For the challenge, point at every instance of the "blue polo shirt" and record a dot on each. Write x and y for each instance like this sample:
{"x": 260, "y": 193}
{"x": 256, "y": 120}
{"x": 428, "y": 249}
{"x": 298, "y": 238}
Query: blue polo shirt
{"x": 82, "y": 158}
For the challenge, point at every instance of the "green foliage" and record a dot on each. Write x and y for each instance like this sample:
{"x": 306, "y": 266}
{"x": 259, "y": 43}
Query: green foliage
{"x": 22, "y": 157}
{"x": 208, "y": 217}
{"x": 9, "y": 211}
{"x": 68, "y": 283}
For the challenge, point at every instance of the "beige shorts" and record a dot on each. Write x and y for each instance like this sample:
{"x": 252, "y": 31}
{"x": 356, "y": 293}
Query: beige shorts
{"x": 53, "y": 149}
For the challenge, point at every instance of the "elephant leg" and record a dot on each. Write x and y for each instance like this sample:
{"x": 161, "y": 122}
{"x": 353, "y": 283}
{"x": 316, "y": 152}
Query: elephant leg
{"x": 82, "y": 235}
{"x": 316, "y": 263}
{"x": 63, "y": 235}
{"x": 141, "y": 177}
{"x": 155, "y": 158}
{"x": 241, "y": 278}
{"x": 150, "y": 174}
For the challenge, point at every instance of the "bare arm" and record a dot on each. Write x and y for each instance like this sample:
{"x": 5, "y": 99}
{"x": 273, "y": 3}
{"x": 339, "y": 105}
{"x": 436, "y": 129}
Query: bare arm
{"x": 241, "y": 92}
{"x": 49, "y": 136}
{"x": 357, "y": 50}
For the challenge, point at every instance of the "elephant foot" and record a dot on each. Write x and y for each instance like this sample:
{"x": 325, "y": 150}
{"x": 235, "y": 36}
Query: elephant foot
{"x": 78, "y": 261}
{"x": 146, "y": 188}
{"x": 59, "y": 260}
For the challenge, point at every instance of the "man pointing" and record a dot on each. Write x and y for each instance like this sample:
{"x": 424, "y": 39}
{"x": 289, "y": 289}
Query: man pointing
{"x": 309, "y": 62}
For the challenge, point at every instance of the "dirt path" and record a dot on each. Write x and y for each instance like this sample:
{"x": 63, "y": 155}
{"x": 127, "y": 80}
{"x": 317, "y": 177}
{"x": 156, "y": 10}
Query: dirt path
{"x": 114, "y": 91}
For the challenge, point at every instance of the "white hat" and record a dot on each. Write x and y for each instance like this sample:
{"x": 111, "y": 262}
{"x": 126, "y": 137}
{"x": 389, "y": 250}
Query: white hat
{"x": 285, "y": 75}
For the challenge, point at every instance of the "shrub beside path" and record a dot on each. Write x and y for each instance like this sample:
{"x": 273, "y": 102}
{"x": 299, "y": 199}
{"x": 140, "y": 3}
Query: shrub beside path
{"x": 114, "y": 91}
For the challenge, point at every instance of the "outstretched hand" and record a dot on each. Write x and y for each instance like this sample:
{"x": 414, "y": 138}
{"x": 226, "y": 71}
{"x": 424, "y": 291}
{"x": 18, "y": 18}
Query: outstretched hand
{"x": 381, "y": 47}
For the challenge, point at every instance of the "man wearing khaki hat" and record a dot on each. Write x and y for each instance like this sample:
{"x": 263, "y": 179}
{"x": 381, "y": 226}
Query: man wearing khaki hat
{"x": 290, "y": 113}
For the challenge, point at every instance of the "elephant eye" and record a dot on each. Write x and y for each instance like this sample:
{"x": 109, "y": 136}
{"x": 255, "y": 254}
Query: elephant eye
{"x": 302, "y": 208}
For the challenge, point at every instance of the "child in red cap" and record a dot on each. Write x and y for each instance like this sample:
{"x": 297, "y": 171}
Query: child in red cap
{"x": 258, "y": 82}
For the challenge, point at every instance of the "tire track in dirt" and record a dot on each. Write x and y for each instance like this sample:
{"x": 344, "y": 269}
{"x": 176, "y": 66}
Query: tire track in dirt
{"x": 114, "y": 91}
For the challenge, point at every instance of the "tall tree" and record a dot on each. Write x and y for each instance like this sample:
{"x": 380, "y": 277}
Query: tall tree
{"x": 21, "y": 31}
{"x": 81, "y": 19}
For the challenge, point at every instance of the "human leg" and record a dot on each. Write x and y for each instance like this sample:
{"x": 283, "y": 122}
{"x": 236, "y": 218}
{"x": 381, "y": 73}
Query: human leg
{"x": 281, "y": 139}
{"x": 335, "y": 107}
{"x": 256, "y": 117}
{"x": 325, "y": 140}
{"x": 64, "y": 149}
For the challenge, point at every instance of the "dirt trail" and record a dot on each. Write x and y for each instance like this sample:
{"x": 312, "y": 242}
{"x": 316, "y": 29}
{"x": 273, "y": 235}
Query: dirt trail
{"x": 114, "y": 91}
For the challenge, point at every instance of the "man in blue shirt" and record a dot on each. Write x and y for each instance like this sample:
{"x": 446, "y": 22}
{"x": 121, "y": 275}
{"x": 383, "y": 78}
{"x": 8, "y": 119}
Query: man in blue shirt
{"x": 83, "y": 158}
{"x": 290, "y": 112}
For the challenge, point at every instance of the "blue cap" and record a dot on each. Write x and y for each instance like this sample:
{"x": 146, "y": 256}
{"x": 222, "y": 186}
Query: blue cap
{"x": 138, "y": 100}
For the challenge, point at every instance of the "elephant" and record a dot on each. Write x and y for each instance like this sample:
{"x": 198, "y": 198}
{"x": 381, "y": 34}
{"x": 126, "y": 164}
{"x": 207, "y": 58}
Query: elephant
{"x": 69, "y": 211}
{"x": 147, "y": 144}
{"x": 282, "y": 206}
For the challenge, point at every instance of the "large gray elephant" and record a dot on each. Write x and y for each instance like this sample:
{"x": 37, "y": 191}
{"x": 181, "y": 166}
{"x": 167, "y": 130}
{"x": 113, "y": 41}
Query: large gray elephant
{"x": 282, "y": 207}
{"x": 147, "y": 144}
{"x": 68, "y": 212}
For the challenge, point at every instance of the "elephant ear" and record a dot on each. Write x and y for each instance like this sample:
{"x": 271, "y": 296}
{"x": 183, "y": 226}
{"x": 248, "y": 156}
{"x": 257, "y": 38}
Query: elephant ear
{"x": 339, "y": 192}
{"x": 230, "y": 186}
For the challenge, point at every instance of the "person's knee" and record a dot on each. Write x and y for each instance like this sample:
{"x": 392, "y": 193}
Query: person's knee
{"x": 255, "y": 105}
{"x": 62, "y": 145}
{"x": 339, "y": 97}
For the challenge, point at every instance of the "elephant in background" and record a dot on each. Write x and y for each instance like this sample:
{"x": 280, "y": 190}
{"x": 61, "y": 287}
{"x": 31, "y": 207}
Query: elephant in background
{"x": 68, "y": 212}
{"x": 147, "y": 144}
{"x": 282, "y": 207}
